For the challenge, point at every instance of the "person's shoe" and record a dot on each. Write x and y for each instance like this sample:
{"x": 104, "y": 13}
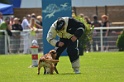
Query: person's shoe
{"x": 77, "y": 71}
{"x": 25, "y": 53}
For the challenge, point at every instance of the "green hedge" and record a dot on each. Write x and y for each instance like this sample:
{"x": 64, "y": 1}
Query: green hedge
{"x": 87, "y": 36}
{"x": 120, "y": 41}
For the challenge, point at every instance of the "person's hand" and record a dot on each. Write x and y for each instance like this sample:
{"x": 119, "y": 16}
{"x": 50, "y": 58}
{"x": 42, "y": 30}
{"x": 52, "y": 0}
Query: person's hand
{"x": 61, "y": 44}
{"x": 34, "y": 29}
{"x": 31, "y": 29}
{"x": 73, "y": 38}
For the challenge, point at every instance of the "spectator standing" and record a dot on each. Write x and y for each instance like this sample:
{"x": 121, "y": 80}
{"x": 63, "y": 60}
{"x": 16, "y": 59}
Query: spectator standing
{"x": 81, "y": 15}
{"x": 87, "y": 19}
{"x": 38, "y": 33}
{"x": 33, "y": 28}
{"x": 105, "y": 23}
{"x": 38, "y": 25}
{"x": 39, "y": 22}
{"x": 95, "y": 21}
{"x": 5, "y": 26}
{"x": 11, "y": 20}
{"x": 26, "y": 34}
{"x": 96, "y": 35}
{"x": 73, "y": 14}
{"x": 16, "y": 35}
{"x": 33, "y": 15}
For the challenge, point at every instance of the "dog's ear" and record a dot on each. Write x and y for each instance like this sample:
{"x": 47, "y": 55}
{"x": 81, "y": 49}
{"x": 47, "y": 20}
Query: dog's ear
{"x": 53, "y": 53}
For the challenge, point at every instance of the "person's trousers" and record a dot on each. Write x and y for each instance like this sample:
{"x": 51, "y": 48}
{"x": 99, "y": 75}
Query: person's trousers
{"x": 72, "y": 51}
{"x": 26, "y": 42}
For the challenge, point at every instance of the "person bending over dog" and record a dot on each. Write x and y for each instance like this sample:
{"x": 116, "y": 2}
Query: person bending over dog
{"x": 69, "y": 30}
{"x": 47, "y": 61}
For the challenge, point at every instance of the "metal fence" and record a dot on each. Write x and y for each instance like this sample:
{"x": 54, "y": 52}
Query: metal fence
{"x": 101, "y": 42}
{"x": 15, "y": 43}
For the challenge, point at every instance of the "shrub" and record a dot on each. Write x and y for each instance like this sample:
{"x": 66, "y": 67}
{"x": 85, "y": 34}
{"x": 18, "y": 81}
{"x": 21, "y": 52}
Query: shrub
{"x": 120, "y": 41}
{"x": 87, "y": 36}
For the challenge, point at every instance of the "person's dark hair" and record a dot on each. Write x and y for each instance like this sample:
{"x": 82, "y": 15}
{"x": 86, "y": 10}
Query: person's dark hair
{"x": 20, "y": 21}
{"x": 60, "y": 24}
{"x": 95, "y": 17}
{"x": 33, "y": 15}
{"x": 7, "y": 19}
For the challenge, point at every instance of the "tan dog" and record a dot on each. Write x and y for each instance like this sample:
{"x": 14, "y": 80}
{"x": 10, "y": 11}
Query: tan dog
{"x": 48, "y": 62}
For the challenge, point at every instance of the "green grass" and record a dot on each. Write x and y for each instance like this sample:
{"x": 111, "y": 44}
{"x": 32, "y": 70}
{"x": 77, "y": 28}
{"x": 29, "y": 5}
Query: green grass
{"x": 95, "y": 67}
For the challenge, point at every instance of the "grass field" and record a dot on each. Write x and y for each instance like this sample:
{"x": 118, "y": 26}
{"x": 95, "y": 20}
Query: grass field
{"x": 95, "y": 67}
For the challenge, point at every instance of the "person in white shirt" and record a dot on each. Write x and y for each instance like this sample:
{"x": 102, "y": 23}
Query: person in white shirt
{"x": 25, "y": 25}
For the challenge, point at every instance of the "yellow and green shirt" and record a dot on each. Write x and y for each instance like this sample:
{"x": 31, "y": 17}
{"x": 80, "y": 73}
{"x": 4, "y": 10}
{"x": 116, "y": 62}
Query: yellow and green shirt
{"x": 3, "y": 26}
